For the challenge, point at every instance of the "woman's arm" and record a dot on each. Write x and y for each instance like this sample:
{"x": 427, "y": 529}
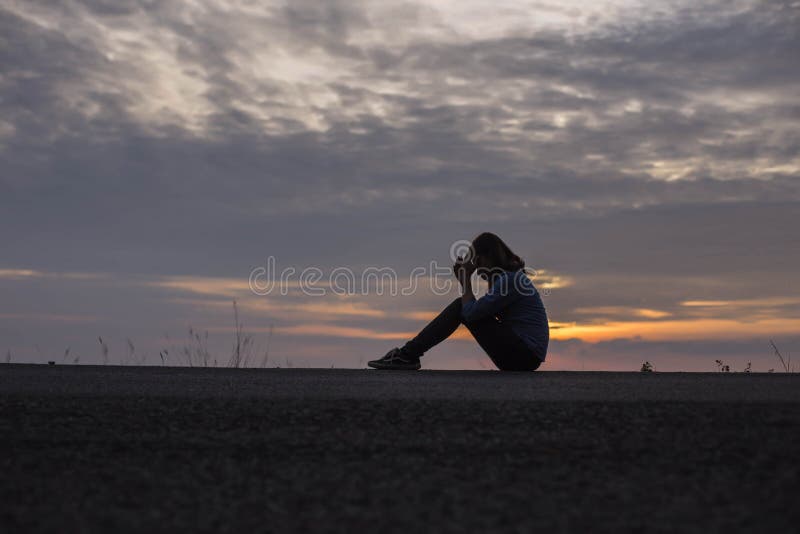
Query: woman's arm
{"x": 502, "y": 293}
{"x": 464, "y": 272}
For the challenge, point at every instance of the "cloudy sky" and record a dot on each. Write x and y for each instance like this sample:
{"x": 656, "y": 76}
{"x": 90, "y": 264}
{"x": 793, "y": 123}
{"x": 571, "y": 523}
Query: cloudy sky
{"x": 642, "y": 157}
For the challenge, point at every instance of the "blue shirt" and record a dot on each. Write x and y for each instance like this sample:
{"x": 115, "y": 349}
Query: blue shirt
{"x": 516, "y": 301}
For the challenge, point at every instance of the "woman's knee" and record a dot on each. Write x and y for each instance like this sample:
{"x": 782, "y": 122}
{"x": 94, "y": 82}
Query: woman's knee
{"x": 455, "y": 307}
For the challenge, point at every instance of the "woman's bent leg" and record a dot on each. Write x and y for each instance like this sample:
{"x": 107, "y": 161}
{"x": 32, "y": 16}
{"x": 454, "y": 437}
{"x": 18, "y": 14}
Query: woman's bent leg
{"x": 503, "y": 346}
{"x": 497, "y": 339}
{"x": 439, "y": 329}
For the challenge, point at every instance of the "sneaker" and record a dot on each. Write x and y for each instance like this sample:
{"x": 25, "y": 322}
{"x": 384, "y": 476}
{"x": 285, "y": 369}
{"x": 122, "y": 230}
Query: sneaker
{"x": 396, "y": 359}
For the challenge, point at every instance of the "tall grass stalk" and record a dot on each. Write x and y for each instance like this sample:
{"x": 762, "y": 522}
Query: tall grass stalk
{"x": 265, "y": 359}
{"x": 103, "y": 350}
{"x": 243, "y": 342}
{"x": 787, "y": 363}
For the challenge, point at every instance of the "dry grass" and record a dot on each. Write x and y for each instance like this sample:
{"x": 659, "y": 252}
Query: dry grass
{"x": 265, "y": 359}
{"x": 65, "y": 356}
{"x": 787, "y": 362}
{"x": 194, "y": 351}
{"x": 243, "y": 342}
{"x": 103, "y": 350}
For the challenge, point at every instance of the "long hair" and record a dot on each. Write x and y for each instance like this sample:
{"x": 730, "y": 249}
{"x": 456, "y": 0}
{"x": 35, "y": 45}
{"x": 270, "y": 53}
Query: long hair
{"x": 499, "y": 256}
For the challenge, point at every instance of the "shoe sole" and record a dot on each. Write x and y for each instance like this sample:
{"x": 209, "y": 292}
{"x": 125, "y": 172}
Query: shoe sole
{"x": 394, "y": 366}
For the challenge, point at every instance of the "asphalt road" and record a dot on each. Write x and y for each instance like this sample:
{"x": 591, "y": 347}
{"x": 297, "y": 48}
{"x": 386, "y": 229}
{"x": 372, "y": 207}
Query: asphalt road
{"x": 119, "y": 449}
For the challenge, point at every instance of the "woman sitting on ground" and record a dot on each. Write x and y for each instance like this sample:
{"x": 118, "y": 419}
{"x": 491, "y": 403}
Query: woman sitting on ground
{"x": 509, "y": 322}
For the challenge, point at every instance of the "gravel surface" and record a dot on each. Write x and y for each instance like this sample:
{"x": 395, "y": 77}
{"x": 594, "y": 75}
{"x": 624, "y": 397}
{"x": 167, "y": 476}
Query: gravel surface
{"x": 118, "y": 449}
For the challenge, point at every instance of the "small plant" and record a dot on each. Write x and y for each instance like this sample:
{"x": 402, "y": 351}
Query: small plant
{"x": 66, "y": 355}
{"x": 103, "y": 350}
{"x": 8, "y": 356}
{"x": 164, "y": 355}
{"x": 749, "y": 367}
{"x": 722, "y": 367}
{"x": 647, "y": 367}
{"x": 139, "y": 359}
{"x": 130, "y": 351}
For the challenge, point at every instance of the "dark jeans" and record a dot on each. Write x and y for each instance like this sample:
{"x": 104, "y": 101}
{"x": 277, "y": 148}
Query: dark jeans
{"x": 496, "y": 338}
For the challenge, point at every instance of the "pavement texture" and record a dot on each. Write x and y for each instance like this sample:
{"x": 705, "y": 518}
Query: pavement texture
{"x": 147, "y": 449}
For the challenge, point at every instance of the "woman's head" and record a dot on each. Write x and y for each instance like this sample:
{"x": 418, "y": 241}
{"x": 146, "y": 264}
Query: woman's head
{"x": 492, "y": 254}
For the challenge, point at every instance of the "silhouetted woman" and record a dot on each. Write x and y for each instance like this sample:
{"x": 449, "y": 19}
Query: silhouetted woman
{"x": 509, "y": 322}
